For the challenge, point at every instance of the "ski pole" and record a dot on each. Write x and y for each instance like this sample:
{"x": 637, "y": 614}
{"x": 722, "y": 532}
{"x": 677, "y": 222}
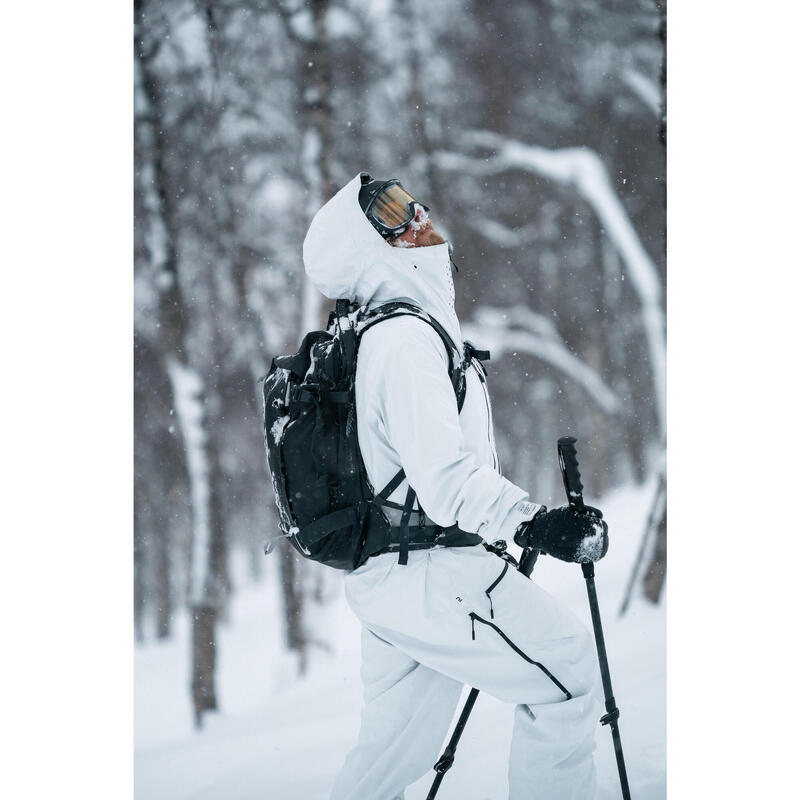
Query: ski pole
{"x": 526, "y": 563}
{"x": 568, "y": 461}
{"x": 448, "y": 756}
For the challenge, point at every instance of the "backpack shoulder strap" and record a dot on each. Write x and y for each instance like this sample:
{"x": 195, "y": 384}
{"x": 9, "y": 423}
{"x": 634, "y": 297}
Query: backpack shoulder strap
{"x": 399, "y": 308}
{"x": 455, "y": 369}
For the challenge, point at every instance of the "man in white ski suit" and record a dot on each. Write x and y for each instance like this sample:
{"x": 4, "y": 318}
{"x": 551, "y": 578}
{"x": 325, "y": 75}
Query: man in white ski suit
{"x": 443, "y": 620}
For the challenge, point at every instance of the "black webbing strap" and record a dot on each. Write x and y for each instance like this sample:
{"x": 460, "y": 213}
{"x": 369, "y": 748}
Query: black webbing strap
{"x": 315, "y": 530}
{"x": 398, "y": 308}
{"x": 410, "y": 495}
{"x": 471, "y": 350}
{"x": 391, "y": 486}
{"x": 342, "y": 307}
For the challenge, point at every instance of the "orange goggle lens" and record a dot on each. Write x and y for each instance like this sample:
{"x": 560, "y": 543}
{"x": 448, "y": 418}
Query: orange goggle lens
{"x": 394, "y": 206}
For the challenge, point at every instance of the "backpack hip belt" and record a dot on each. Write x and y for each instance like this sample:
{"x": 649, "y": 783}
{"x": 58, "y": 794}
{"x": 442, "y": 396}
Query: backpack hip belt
{"x": 426, "y": 537}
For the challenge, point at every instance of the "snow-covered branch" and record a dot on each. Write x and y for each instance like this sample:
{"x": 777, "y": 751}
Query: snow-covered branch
{"x": 583, "y": 169}
{"x": 503, "y": 236}
{"x": 645, "y": 89}
{"x": 518, "y": 329}
{"x": 187, "y": 389}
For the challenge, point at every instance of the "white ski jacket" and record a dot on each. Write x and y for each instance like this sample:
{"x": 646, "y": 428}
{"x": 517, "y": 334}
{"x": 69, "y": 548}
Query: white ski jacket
{"x": 405, "y": 403}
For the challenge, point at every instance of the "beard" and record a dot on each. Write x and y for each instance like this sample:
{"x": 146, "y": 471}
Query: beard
{"x": 430, "y": 236}
{"x": 425, "y": 238}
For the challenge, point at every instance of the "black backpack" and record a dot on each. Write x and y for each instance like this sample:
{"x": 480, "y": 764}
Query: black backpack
{"x": 326, "y": 506}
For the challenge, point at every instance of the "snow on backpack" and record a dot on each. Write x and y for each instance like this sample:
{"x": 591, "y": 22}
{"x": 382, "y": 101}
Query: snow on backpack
{"x": 326, "y": 506}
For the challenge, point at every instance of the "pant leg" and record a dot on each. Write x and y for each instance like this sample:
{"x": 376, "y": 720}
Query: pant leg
{"x": 552, "y": 747}
{"x": 407, "y": 711}
{"x": 514, "y": 642}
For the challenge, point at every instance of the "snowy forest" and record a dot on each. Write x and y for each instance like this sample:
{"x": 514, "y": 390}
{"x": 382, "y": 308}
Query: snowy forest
{"x": 535, "y": 131}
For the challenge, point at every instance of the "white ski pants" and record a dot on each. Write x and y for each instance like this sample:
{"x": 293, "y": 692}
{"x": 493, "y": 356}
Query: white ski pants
{"x": 442, "y": 621}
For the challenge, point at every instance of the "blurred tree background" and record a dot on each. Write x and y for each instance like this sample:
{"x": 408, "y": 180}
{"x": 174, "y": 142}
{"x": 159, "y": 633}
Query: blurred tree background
{"x": 534, "y": 130}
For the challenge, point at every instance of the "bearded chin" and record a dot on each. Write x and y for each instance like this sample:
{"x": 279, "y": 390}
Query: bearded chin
{"x": 427, "y": 239}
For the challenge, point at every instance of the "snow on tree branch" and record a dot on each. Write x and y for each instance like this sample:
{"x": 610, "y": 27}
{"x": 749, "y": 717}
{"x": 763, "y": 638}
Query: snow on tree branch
{"x": 521, "y": 330}
{"x": 187, "y": 388}
{"x": 645, "y": 89}
{"x": 583, "y": 169}
{"x": 503, "y": 236}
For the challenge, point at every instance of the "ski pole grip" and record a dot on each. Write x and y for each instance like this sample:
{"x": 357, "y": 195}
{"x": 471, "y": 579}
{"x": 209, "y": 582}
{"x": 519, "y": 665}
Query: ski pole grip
{"x": 568, "y": 461}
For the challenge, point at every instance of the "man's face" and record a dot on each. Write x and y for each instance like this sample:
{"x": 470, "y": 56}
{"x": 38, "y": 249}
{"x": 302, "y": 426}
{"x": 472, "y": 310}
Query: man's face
{"x": 420, "y": 233}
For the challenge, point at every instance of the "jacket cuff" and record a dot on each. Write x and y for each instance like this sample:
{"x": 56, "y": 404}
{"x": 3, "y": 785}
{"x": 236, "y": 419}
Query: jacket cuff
{"x": 522, "y": 511}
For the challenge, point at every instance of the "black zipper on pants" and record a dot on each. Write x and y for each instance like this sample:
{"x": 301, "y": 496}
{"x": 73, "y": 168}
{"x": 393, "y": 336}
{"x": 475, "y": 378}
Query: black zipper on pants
{"x": 488, "y": 592}
{"x": 556, "y": 681}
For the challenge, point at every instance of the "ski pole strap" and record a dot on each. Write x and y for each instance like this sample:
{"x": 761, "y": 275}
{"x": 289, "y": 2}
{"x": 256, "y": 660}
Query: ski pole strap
{"x": 410, "y": 495}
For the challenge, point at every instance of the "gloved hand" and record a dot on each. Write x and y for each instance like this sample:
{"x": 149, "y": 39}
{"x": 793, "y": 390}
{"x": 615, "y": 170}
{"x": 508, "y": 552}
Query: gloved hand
{"x": 566, "y": 534}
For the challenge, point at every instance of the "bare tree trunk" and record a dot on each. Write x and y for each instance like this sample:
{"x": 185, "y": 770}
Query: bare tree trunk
{"x": 317, "y": 139}
{"x": 163, "y": 582}
{"x": 316, "y": 173}
{"x": 496, "y": 78}
{"x": 140, "y": 535}
{"x": 188, "y": 392}
{"x": 204, "y": 657}
{"x": 411, "y": 31}
{"x": 207, "y": 602}
{"x": 293, "y": 605}
{"x": 657, "y": 512}
{"x": 656, "y": 574}
{"x": 629, "y": 460}
{"x": 653, "y": 582}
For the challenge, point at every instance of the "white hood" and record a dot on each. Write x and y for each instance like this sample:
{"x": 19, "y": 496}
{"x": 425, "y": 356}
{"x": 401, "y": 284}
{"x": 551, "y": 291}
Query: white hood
{"x": 345, "y": 257}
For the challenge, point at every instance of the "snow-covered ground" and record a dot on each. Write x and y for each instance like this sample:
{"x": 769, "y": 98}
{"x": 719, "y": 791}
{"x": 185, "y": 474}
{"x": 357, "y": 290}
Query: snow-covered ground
{"x": 279, "y": 738}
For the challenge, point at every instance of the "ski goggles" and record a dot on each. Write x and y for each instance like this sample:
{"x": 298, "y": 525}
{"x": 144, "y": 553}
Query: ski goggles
{"x": 387, "y": 205}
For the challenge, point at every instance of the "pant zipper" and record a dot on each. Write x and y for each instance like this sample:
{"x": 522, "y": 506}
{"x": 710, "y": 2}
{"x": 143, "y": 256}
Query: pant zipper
{"x": 474, "y": 617}
{"x": 488, "y": 592}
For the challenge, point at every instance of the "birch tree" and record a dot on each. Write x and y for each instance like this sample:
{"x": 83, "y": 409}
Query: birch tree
{"x": 187, "y": 385}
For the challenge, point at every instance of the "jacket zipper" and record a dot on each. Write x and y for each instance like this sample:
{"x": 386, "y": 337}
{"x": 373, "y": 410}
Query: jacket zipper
{"x": 474, "y": 617}
{"x": 490, "y": 432}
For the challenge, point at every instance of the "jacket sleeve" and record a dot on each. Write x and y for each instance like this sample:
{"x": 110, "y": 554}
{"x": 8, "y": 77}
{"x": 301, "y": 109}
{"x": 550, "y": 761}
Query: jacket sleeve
{"x": 419, "y": 414}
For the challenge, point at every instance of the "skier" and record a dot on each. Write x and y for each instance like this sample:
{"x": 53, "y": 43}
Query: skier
{"x": 435, "y": 617}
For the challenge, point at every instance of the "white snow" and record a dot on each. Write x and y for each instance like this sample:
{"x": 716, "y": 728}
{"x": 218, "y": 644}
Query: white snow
{"x": 276, "y": 431}
{"x": 279, "y": 738}
{"x": 424, "y": 219}
{"x": 592, "y": 546}
{"x": 416, "y": 224}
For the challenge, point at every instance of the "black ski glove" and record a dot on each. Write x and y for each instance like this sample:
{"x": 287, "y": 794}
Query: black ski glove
{"x": 566, "y": 534}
